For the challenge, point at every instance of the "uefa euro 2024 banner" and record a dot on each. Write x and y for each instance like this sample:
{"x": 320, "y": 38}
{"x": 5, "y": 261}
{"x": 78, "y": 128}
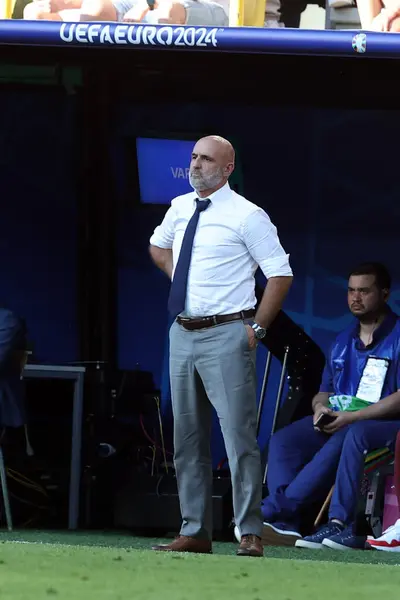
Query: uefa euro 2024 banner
{"x": 206, "y": 24}
{"x": 196, "y": 13}
{"x": 119, "y": 20}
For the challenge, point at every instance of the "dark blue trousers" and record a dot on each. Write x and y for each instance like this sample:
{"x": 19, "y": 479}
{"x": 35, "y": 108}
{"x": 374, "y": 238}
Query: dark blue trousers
{"x": 303, "y": 464}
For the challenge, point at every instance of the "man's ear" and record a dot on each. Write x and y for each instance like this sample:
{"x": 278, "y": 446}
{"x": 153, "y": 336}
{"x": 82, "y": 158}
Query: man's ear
{"x": 229, "y": 169}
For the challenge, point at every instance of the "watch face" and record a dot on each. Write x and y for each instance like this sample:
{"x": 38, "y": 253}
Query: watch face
{"x": 260, "y": 333}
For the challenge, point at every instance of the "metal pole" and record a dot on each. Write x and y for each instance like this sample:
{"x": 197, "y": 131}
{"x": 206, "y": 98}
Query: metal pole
{"x": 263, "y": 390}
{"x": 278, "y": 400}
{"x": 280, "y": 389}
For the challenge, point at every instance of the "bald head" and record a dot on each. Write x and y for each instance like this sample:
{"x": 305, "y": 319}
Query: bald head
{"x": 213, "y": 160}
{"x": 221, "y": 145}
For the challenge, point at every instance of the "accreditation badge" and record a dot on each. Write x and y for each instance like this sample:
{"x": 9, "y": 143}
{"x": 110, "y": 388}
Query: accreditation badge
{"x": 373, "y": 378}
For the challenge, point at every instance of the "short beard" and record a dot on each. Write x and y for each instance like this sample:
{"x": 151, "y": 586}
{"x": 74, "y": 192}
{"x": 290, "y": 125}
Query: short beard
{"x": 372, "y": 315}
{"x": 201, "y": 183}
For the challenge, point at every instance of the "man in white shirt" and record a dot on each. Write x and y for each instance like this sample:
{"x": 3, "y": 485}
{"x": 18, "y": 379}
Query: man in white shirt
{"x": 210, "y": 244}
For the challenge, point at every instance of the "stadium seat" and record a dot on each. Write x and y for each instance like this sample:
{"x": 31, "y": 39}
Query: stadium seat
{"x": 341, "y": 17}
{"x": 247, "y": 13}
{"x": 6, "y": 8}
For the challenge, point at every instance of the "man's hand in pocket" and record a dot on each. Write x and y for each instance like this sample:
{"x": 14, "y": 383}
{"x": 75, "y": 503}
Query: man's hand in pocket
{"x": 252, "y": 337}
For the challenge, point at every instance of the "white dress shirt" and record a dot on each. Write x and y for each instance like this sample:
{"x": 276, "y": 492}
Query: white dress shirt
{"x": 233, "y": 238}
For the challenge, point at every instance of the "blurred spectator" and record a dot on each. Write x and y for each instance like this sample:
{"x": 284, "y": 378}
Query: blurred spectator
{"x": 376, "y": 15}
{"x": 273, "y": 14}
{"x": 18, "y": 10}
{"x": 52, "y": 10}
{"x": 177, "y": 12}
{"x": 278, "y": 13}
{"x": 291, "y": 11}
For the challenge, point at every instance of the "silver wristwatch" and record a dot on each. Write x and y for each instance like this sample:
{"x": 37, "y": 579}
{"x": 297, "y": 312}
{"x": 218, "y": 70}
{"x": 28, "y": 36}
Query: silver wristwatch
{"x": 259, "y": 331}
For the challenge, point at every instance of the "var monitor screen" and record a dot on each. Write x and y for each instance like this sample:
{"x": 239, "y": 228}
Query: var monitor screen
{"x": 163, "y": 169}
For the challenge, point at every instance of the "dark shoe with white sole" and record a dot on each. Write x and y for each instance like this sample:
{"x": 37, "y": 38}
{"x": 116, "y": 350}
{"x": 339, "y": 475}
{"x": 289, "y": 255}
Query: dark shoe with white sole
{"x": 314, "y": 541}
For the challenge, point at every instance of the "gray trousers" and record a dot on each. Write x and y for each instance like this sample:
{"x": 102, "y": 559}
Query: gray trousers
{"x": 214, "y": 367}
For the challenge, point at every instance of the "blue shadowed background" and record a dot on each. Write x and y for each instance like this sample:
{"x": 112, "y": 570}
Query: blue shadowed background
{"x": 38, "y": 223}
{"x": 171, "y": 160}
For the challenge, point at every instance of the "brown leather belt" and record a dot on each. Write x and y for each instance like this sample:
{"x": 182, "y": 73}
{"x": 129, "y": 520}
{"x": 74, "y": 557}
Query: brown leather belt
{"x": 203, "y": 322}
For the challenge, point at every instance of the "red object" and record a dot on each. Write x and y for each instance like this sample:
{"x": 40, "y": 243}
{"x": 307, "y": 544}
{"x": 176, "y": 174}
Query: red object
{"x": 391, "y": 512}
{"x": 383, "y": 544}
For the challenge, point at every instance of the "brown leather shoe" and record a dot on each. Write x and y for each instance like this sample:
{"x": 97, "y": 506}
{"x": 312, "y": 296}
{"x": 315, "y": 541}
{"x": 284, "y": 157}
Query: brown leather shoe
{"x": 183, "y": 543}
{"x": 250, "y": 545}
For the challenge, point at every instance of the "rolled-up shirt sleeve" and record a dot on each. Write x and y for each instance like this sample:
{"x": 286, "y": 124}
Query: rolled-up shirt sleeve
{"x": 262, "y": 241}
{"x": 163, "y": 236}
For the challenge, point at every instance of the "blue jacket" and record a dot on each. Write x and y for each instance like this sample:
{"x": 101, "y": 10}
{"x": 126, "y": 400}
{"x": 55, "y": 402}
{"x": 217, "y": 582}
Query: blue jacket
{"x": 348, "y": 357}
{"x": 12, "y": 349}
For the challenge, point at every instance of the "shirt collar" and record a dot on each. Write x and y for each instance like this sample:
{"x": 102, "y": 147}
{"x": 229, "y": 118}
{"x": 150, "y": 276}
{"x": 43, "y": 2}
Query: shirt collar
{"x": 218, "y": 195}
{"x": 381, "y": 332}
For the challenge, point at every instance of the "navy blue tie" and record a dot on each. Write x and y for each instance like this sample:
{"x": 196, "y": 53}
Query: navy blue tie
{"x": 177, "y": 294}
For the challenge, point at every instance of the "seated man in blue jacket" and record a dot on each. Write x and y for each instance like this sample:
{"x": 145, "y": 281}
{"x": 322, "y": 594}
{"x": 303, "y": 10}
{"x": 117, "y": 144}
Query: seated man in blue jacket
{"x": 12, "y": 351}
{"x": 362, "y": 382}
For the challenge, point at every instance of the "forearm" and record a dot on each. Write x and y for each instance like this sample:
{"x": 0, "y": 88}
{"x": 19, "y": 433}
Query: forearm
{"x": 386, "y": 408}
{"x": 274, "y": 295}
{"x": 162, "y": 258}
{"x": 322, "y": 398}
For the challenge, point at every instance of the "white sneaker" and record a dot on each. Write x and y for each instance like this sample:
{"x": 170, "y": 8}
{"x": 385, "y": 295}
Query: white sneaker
{"x": 275, "y": 535}
{"x": 389, "y": 541}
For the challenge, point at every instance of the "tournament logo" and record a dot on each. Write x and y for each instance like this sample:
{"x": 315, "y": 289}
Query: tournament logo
{"x": 139, "y": 35}
{"x": 360, "y": 43}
